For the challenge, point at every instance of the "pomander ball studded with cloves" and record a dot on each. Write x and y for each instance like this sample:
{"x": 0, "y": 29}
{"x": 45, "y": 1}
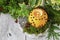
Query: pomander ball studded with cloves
{"x": 38, "y": 18}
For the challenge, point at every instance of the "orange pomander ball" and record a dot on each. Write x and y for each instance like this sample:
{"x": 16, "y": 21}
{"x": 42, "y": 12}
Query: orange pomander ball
{"x": 38, "y": 18}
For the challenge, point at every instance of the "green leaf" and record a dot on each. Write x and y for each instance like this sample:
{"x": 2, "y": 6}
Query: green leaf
{"x": 52, "y": 33}
{"x": 23, "y": 6}
{"x": 32, "y": 3}
{"x": 2, "y": 2}
{"x": 53, "y": 14}
{"x": 56, "y": 28}
{"x": 24, "y": 10}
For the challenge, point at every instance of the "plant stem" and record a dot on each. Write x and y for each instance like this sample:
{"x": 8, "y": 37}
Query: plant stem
{"x": 43, "y": 3}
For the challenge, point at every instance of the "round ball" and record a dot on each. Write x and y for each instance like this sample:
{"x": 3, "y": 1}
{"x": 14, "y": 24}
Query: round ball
{"x": 38, "y": 18}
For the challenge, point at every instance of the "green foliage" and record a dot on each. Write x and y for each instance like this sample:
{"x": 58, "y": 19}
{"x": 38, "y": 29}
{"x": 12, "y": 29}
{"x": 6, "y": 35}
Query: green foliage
{"x": 54, "y": 3}
{"x": 24, "y": 10}
{"x": 34, "y": 3}
{"x": 15, "y": 8}
{"x": 52, "y": 33}
{"x": 54, "y": 15}
{"x": 33, "y": 30}
{"x": 54, "y": 18}
{"x": 2, "y": 2}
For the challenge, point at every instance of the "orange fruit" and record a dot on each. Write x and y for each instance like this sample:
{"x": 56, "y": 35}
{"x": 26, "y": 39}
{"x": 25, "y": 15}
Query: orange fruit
{"x": 38, "y": 18}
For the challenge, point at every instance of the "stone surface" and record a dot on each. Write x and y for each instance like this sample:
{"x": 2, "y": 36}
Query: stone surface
{"x": 7, "y": 25}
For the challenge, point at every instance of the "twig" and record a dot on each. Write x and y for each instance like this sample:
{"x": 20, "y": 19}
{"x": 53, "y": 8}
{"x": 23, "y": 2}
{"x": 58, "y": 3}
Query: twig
{"x": 43, "y": 3}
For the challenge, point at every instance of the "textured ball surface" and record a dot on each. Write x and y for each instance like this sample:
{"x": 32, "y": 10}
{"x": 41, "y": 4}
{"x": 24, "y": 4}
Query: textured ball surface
{"x": 38, "y": 18}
